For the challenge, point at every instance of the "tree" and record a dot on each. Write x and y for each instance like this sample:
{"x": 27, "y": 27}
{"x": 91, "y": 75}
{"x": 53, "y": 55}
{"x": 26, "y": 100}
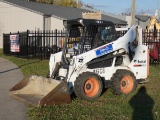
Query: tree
{"x": 70, "y": 3}
{"x": 126, "y": 12}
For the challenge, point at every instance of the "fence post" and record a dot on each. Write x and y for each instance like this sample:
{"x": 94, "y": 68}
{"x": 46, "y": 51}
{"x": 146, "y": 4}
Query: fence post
{"x": 48, "y": 51}
{"x": 19, "y": 44}
{"x": 35, "y": 44}
{"x": 44, "y": 41}
{"x": 60, "y": 44}
{"x": 27, "y": 43}
{"x": 56, "y": 40}
{"x": 10, "y": 45}
{"x": 3, "y": 44}
{"x": 52, "y": 42}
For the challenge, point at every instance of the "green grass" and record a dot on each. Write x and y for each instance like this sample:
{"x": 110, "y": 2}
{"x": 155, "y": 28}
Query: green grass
{"x": 139, "y": 105}
{"x": 30, "y": 66}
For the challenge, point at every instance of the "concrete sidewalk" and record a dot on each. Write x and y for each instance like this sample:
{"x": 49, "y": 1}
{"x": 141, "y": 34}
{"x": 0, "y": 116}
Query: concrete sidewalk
{"x": 10, "y": 109}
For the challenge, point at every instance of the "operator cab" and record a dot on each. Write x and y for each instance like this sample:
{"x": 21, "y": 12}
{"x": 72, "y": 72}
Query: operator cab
{"x": 83, "y": 35}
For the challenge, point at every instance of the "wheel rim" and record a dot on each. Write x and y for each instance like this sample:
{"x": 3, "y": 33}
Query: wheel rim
{"x": 91, "y": 87}
{"x": 126, "y": 84}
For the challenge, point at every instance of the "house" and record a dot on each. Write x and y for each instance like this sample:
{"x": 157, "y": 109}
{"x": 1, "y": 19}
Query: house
{"x": 20, "y": 15}
{"x": 141, "y": 20}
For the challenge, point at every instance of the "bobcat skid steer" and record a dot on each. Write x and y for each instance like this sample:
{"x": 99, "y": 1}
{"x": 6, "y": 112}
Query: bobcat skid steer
{"x": 92, "y": 58}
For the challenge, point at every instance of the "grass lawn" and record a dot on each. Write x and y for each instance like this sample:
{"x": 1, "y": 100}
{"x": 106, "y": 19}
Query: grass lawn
{"x": 144, "y": 104}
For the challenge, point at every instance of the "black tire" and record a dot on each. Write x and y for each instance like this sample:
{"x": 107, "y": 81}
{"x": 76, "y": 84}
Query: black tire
{"x": 123, "y": 82}
{"x": 88, "y": 86}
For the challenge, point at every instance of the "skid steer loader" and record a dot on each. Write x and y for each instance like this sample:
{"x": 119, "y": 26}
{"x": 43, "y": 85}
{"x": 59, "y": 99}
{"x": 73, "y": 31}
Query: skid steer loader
{"x": 92, "y": 58}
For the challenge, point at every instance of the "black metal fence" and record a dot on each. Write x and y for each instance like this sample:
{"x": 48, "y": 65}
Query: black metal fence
{"x": 33, "y": 44}
{"x": 40, "y": 44}
{"x": 151, "y": 38}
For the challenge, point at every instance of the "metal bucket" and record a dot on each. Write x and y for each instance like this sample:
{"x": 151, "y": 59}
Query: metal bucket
{"x": 40, "y": 91}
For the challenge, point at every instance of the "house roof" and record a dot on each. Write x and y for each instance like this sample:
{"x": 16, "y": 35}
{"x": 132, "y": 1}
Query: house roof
{"x": 142, "y": 17}
{"x": 60, "y": 12}
{"x": 114, "y": 20}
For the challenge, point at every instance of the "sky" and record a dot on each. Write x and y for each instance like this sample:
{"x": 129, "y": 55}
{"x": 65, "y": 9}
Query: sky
{"x": 122, "y": 6}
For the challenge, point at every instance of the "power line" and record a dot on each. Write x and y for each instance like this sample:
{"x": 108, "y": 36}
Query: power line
{"x": 145, "y": 7}
{"x": 77, "y": 3}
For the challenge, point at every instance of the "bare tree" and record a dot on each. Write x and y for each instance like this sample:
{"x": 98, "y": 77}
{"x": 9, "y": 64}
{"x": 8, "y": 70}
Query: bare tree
{"x": 126, "y": 12}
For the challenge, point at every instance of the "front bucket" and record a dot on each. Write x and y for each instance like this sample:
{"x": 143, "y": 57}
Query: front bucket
{"x": 40, "y": 91}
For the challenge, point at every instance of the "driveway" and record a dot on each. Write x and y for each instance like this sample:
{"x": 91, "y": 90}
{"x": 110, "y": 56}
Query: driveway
{"x": 10, "y": 109}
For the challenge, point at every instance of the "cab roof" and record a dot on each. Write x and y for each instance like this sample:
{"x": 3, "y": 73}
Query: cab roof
{"x": 86, "y": 22}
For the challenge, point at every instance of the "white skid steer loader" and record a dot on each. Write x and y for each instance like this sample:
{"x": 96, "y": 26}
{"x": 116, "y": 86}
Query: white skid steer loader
{"x": 92, "y": 58}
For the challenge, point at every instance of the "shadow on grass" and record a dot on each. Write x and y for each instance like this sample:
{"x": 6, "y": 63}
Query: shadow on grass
{"x": 30, "y": 63}
{"x": 142, "y": 104}
{"x": 18, "y": 67}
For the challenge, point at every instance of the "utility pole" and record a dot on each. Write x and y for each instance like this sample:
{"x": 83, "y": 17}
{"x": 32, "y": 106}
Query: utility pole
{"x": 77, "y": 4}
{"x": 133, "y": 13}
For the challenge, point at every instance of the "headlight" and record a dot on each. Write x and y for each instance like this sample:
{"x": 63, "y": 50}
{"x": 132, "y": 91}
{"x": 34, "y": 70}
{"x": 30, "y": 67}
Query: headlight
{"x": 80, "y": 21}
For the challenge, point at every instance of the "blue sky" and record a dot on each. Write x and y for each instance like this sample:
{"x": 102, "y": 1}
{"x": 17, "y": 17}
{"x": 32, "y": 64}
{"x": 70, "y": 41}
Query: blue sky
{"x": 121, "y": 6}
